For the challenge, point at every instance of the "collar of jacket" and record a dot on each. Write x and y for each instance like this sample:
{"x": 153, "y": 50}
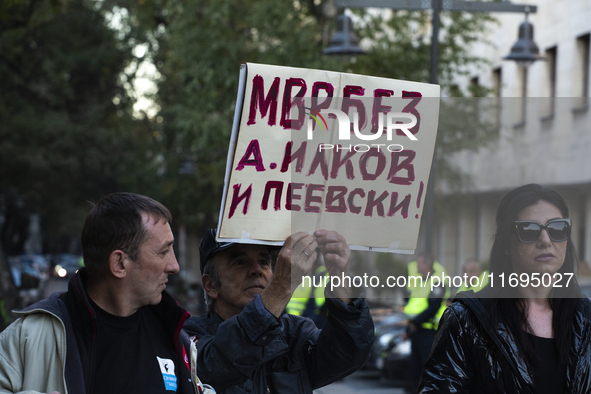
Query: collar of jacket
{"x": 486, "y": 298}
{"x": 167, "y": 311}
{"x": 581, "y": 329}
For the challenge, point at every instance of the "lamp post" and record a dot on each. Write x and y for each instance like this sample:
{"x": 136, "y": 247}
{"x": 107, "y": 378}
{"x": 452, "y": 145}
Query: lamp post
{"x": 343, "y": 41}
{"x": 525, "y": 51}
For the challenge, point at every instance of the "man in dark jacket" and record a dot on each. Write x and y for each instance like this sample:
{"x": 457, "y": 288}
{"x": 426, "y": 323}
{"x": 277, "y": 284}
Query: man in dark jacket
{"x": 115, "y": 330}
{"x": 247, "y": 344}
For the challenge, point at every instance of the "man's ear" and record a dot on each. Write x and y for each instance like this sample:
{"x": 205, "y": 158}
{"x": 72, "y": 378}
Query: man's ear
{"x": 118, "y": 263}
{"x": 209, "y": 286}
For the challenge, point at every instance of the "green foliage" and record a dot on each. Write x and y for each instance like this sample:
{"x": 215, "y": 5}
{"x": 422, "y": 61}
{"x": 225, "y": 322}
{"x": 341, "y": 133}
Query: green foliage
{"x": 199, "y": 59}
{"x": 63, "y": 140}
{"x": 69, "y": 133}
{"x": 401, "y": 44}
{"x": 203, "y": 43}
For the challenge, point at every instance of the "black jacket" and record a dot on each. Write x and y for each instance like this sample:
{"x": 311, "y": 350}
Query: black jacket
{"x": 254, "y": 352}
{"x": 466, "y": 359}
{"x": 78, "y": 316}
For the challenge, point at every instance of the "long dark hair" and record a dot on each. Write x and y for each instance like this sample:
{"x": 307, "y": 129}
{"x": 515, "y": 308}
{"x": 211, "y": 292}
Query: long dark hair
{"x": 512, "y": 311}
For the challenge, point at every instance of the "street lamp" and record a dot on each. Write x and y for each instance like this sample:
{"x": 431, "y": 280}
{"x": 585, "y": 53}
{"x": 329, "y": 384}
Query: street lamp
{"x": 525, "y": 51}
{"x": 527, "y": 46}
{"x": 343, "y": 41}
{"x": 344, "y": 33}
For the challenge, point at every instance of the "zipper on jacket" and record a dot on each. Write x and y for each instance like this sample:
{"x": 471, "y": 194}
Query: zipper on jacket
{"x": 90, "y": 388}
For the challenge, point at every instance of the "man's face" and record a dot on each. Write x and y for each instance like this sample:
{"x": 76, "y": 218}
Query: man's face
{"x": 149, "y": 274}
{"x": 472, "y": 269}
{"x": 423, "y": 266}
{"x": 244, "y": 271}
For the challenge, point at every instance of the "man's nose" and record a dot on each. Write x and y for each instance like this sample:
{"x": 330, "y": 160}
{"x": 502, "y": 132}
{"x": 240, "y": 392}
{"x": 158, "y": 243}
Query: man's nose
{"x": 173, "y": 266}
{"x": 256, "y": 268}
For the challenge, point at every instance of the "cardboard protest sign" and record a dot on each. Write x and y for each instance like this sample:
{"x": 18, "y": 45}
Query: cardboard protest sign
{"x": 315, "y": 149}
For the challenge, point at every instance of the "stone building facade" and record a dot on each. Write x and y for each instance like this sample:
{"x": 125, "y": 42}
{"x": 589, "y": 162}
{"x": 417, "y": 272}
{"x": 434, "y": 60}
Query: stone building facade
{"x": 544, "y": 131}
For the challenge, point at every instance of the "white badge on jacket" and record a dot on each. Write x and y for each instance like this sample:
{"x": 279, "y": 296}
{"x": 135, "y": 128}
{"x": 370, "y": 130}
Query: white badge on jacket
{"x": 167, "y": 369}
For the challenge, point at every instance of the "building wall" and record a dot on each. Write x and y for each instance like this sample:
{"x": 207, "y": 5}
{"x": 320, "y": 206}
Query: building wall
{"x": 556, "y": 23}
{"x": 549, "y": 145}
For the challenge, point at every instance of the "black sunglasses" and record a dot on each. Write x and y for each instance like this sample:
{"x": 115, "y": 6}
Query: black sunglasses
{"x": 529, "y": 231}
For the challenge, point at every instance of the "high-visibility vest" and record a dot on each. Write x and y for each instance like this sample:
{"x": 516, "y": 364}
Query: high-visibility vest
{"x": 301, "y": 296}
{"x": 298, "y": 301}
{"x": 482, "y": 281}
{"x": 419, "y": 301}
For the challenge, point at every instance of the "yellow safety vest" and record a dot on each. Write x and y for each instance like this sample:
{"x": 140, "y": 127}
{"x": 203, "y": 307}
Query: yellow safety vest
{"x": 418, "y": 302}
{"x": 482, "y": 280}
{"x": 301, "y": 295}
{"x": 298, "y": 301}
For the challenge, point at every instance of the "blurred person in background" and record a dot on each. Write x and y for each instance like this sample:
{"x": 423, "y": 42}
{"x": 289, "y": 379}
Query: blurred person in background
{"x": 309, "y": 301}
{"x": 425, "y": 307}
{"x": 475, "y": 278}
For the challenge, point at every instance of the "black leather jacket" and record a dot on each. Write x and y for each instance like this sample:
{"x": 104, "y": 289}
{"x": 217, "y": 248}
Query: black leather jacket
{"x": 254, "y": 352}
{"x": 465, "y": 359}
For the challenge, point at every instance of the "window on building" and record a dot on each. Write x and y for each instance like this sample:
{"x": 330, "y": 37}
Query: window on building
{"x": 476, "y": 89}
{"x": 550, "y": 83}
{"x": 520, "y": 107}
{"x": 497, "y": 81}
{"x": 497, "y": 84}
{"x": 581, "y": 74}
{"x": 455, "y": 91}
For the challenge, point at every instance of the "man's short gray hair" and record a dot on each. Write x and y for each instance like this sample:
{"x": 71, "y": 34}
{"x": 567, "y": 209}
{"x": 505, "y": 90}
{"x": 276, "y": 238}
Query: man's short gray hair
{"x": 211, "y": 269}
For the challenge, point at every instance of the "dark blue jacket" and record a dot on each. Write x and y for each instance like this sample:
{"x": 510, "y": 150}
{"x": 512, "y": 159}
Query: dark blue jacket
{"x": 254, "y": 352}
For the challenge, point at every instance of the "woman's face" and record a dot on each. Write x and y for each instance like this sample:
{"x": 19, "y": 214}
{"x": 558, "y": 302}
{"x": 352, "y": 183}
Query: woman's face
{"x": 543, "y": 255}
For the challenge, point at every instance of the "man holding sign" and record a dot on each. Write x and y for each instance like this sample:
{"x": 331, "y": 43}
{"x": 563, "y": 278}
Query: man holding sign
{"x": 247, "y": 344}
{"x": 282, "y": 173}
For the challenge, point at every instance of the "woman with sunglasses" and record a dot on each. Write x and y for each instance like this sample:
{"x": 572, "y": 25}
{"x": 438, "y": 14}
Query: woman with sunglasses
{"x": 521, "y": 335}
